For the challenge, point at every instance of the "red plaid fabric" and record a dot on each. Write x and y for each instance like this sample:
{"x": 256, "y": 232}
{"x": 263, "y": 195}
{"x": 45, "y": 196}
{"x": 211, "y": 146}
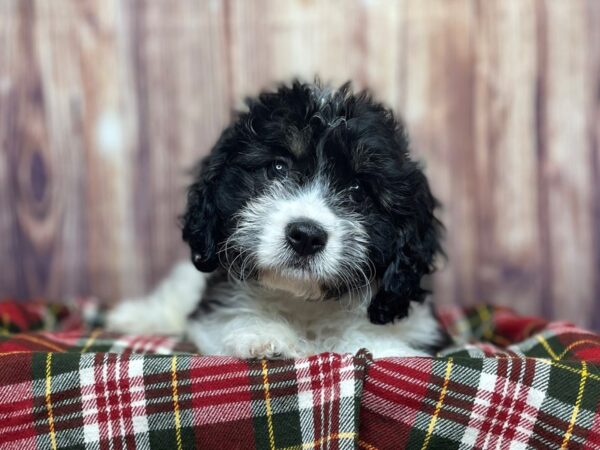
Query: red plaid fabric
{"x": 508, "y": 383}
{"x": 504, "y": 403}
{"x": 136, "y": 401}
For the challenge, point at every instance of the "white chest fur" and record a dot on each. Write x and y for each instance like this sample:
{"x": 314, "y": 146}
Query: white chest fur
{"x": 248, "y": 321}
{"x": 251, "y": 321}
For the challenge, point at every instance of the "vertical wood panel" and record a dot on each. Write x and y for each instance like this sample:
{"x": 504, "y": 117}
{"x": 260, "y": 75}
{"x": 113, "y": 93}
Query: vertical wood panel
{"x": 508, "y": 256}
{"x": 384, "y": 50}
{"x": 593, "y": 37}
{"x": 439, "y": 109}
{"x": 60, "y": 81}
{"x": 567, "y": 167}
{"x": 110, "y": 139}
{"x": 35, "y": 186}
{"x": 273, "y": 40}
{"x": 183, "y": 103}
{"x": 9, "y": 41}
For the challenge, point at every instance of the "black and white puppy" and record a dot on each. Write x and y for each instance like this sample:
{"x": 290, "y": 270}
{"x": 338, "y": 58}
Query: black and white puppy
{"x": 316, "y": 228}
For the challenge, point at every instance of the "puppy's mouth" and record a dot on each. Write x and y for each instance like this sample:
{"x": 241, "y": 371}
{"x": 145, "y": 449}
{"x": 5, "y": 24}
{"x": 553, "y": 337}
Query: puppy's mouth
{"x": 301, "y": 267}
{"x": 298, "y": 282}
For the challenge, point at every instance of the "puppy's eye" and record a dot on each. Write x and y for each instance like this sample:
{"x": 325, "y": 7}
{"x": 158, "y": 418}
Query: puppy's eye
{"x": 278, "y": 169}
{"x": 356, "y": 192}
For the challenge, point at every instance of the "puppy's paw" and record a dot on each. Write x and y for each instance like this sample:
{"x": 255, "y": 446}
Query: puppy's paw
{"x": 143, "y": 317}
{"x": 129, "y": 317}
{"x": 248, "y": 345}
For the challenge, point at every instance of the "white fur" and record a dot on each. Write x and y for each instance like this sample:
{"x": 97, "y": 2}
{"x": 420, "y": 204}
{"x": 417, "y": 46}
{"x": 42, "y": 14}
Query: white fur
{"x": 164, "y": 311}
{"x": 253, "y": 321}
{"x": 260, "y": 239}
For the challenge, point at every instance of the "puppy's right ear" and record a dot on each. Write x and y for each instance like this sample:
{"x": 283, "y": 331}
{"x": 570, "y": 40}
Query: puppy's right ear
{"x": 201, "y": 221}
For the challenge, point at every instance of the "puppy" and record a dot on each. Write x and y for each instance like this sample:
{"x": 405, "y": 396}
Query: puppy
{"x": 316, "y": 228}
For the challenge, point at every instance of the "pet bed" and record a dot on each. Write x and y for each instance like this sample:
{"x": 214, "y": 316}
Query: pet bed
{"x": 508, "y": 382}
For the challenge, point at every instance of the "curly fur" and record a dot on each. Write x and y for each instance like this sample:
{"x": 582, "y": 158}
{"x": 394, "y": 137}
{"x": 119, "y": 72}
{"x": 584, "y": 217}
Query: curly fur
{"x": 341, "y": 160}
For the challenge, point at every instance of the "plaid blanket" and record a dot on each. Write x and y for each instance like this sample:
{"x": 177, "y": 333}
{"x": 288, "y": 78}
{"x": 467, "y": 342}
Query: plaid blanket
{"x": 508, "y": 382}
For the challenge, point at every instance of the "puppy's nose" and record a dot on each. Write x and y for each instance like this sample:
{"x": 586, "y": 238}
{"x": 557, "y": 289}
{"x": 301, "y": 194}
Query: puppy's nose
{"x": 305, "y": 237}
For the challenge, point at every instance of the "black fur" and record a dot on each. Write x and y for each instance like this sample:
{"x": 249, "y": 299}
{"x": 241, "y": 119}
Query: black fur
{"x": 354, "y": 139}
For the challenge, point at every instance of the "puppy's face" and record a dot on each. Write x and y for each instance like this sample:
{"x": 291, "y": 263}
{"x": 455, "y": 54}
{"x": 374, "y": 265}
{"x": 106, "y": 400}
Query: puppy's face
{"x": 313, "y": 192}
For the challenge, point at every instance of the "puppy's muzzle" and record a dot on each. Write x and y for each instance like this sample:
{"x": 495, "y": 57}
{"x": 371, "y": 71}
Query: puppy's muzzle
{"x": 306, "y": 237}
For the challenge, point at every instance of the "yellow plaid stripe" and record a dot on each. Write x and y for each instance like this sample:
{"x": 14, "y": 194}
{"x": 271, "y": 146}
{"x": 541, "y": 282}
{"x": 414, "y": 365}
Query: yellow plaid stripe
{"x": 5, "y": 324}
{"x": 39, "y": 341}
{"x": 93, "y": 336}
{"x": 16, "y": 352}
{"x": 176, "y": 403}
{"x": 363, "y": 444}
{"x": 438, "y": 406}
{"x": 49, "y": 400}
{"x": 576, "y": 344}
{"x": 265, "y": 374}
{"x": 485, "y": 316}
{"x": 569, "y": 433}
{"x": 542, "y": 340}
{"x": 589, "y": 375}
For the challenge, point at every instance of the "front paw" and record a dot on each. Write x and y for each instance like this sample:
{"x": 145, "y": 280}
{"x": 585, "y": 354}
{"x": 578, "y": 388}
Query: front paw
{"x": 251, "y": 345}
{"x": 130, "y": 317}
{"x": 144, "y": 317}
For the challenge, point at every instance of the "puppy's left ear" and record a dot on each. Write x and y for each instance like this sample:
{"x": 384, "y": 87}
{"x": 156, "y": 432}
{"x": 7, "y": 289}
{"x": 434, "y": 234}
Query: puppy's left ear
{"x": 201, "y": 222}
{"x": 415, "y": 249}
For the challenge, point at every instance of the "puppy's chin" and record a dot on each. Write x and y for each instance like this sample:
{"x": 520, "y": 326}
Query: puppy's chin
{"x": 299, "y": 286}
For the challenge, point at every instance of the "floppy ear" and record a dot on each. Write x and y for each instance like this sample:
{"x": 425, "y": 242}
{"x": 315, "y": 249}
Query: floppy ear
{"x": 415, "y": 249}
{"x": 201, "y": 221}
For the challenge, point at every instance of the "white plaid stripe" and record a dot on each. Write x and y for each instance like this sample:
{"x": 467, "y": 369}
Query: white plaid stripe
{"x": 305, "y": 400}
{"x": 423, "y": 419}
{"x": 160, "y": 345}
{"x": 319, "y": 398}
{"x": 502, "y": 385}
{"x": 330, "y": 391}
{"x": 100, "y": 400}
{"x": 494, "y": 415}
{"x": 596, "y": 428}
{"x": 516, "y": 391}
{"x": 585, "y": 418}
{"x": 89, "y": 404}
{"x": 536, "y": 394}
{"x": 481, "y": 350}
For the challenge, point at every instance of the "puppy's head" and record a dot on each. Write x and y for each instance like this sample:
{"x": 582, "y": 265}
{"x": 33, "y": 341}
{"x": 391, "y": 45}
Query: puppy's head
{"x": 312, "y": 191}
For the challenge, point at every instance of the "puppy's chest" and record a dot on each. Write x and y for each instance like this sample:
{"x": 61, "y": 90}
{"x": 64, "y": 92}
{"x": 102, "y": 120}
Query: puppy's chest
{"x": 311, "y": 319}
{"x": 315, "y": 321}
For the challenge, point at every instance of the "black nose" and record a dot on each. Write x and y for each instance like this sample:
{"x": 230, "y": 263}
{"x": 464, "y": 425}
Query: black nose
{"x": 306, "y": 237}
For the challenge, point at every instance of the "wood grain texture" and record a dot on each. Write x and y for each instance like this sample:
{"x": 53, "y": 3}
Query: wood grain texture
{"x": 9, "y": 276}
{"x": 106, "y": 105}
{"x": 567, "y": 168}
{"x": 593, "y": 37}
{"x": 508, "y": 247}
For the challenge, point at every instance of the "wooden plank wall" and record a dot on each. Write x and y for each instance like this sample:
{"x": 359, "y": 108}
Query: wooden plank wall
{"x": 104, "y": 105}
